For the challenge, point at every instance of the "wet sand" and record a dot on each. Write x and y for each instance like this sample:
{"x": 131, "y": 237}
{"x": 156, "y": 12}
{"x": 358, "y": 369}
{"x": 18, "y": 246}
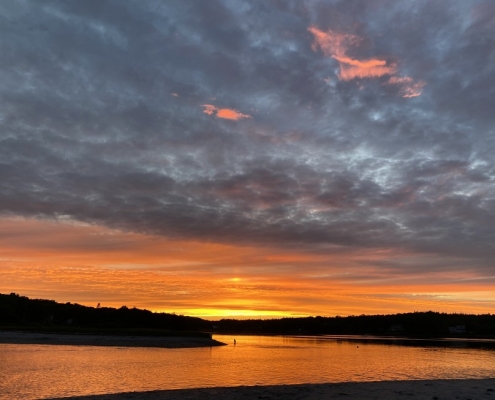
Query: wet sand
{"x": 468, "y": 389}
{"x": 474, "y": 389}
{"x": 106, "y": 340}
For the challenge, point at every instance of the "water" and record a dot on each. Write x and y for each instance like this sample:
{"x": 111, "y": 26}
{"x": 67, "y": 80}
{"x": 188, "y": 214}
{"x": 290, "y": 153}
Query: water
{"x": 42, "y": 371}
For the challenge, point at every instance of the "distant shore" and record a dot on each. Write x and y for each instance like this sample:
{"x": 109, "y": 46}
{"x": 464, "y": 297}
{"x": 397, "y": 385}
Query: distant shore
{"x": 15, "y": 337}
{"x": 473, "y": 389}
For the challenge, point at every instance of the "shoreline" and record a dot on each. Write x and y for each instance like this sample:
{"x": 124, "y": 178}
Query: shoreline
{"x": 463, "y": 389}
{"x": 59, "y": 339}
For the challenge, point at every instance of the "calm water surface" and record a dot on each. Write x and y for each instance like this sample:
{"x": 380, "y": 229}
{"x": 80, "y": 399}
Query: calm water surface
{"x": 43, "y": 371}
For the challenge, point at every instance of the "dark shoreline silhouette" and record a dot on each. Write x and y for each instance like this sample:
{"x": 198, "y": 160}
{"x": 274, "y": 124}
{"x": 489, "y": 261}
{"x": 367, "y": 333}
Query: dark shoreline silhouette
{"x": 35, "y": 315}
{"x": 62, "y": 339}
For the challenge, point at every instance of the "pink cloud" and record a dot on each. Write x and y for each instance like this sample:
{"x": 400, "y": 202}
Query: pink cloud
{"x": 224, "y": 113}
{"x": 407, "y": 86}
{"x": 333, "y": 43}
{"x": 209, "y": 109}
{"x": 373, "y": 68}
{"x": 337, "y": 46}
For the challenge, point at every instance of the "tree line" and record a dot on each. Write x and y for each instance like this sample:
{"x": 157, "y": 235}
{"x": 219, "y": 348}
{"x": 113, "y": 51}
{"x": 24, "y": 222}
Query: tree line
{"x": 22, "y": 312}
{"x": 36, "y": 314}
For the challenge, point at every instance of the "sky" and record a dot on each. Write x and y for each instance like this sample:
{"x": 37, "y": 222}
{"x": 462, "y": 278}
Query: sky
{"x": 249, "y": 159}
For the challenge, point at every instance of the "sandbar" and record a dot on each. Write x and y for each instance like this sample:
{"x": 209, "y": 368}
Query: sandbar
{"x": 13, "y": 337}
{"x": 474, "y": 389}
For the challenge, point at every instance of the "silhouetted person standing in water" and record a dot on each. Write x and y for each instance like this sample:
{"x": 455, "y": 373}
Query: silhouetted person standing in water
{"x": 235, "y": 342}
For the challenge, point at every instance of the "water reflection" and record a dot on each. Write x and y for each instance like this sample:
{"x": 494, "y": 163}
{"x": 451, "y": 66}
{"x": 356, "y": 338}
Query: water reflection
{"x": 485, "y": 344}
{"x": 37, "y": 371}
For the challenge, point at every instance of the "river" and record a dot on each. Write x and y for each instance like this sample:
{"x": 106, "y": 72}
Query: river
{"x": 43, "y": 371}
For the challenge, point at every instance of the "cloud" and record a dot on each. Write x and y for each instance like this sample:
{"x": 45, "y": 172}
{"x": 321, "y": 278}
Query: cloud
{"x": 333, "y": 44}
{"x": 407, "y": 87}
{"x": 225, "y": 113}
{"x": 337, "y": 45}
{"x": 374, "y": 68}
{"x": 87, "y": 264}
{"x": 90, "y": 129}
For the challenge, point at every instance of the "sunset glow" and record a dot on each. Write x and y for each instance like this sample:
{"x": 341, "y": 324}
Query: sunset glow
{"x": 249, "y": 159}
{"x": 89, "y": 264}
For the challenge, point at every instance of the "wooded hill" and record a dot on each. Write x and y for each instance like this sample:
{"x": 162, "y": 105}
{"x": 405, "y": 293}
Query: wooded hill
{"x": 19, "y": 312}
{"x": 417, "y": 324}
{"x": 47, "y": 315}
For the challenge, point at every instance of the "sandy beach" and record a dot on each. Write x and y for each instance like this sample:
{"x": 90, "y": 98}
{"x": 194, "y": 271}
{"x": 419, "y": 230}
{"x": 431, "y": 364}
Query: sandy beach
{"x": 473, "y": 389}
{"x": 106, "y": 340}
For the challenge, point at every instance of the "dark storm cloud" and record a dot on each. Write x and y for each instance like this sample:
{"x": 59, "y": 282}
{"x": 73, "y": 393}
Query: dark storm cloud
{"x": 102, "y": 120}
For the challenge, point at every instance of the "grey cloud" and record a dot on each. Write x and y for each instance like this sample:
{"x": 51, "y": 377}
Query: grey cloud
{"x": 89, "y": 128}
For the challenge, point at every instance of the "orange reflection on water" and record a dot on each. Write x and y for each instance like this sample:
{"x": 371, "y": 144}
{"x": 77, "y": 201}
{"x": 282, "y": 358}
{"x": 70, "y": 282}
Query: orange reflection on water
{"x": 41, "y": 371}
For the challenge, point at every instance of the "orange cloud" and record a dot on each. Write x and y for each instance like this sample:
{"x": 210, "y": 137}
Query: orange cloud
{"x": 333, "y": 43}
{"x": 407, "y": 87}
{"x": 88, "y": 264}
{"x": 337, "y": 45}
{"x": 225, "y": 113}
{"x": 209, "y": 109}
{"x": 374, "y": 68}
